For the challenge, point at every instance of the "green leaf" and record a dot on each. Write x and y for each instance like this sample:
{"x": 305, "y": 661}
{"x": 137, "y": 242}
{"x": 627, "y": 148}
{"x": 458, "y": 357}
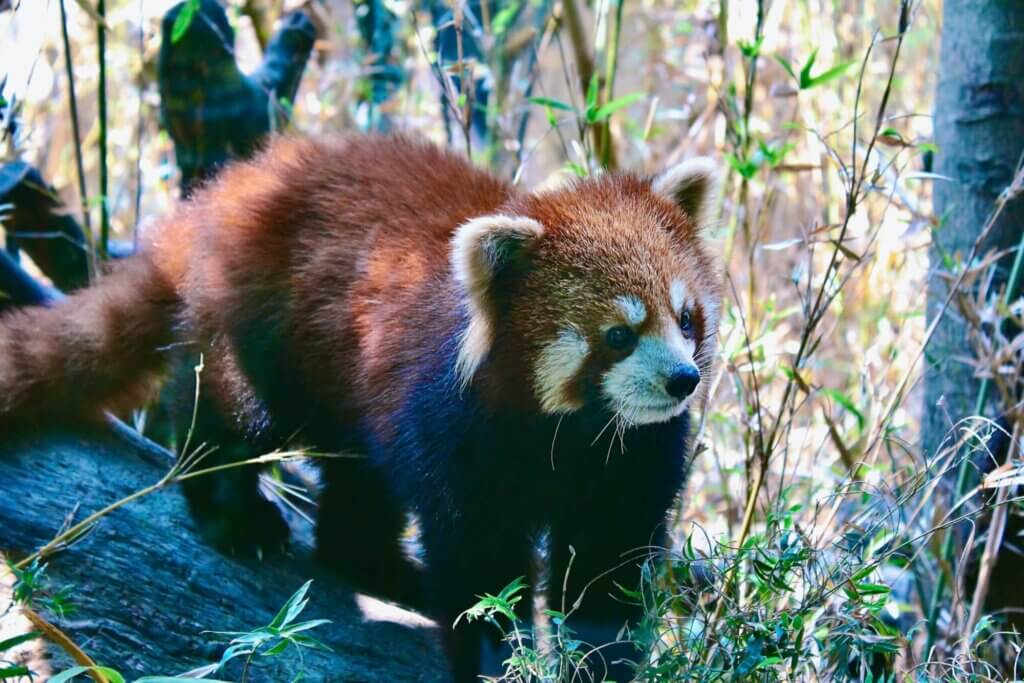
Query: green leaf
{"x": 745, "y": 167}
{"x": 277, "y": 649}
{"x": 550, "y": 105}
{"x": 18, "y": 640}
{"x": 184, "y": 20}
{"x": 786, "y": 65}
{"x": 13, "y": 672}
{"x": 291, "y": 609}
{"x": 846, "y": 402}
{"x": 863, "y": 573}
{"x": 303, "y": 626}
{"x": 553, "y": 103}
{"x": 311, "y": 643}
{"x": 579, "y": 170}
{"x": 110, "y": 674}
{"x": 592, "y": 92}
{"x": 751, "y": 50}
{"x": 808, "y": 81}
{"x": 805, "y": 72}
{"x": 618, "y": 103}
{"x": 503, "y": 19}
{"x": 549, "y": 113}
{"x": 834, "y": 72}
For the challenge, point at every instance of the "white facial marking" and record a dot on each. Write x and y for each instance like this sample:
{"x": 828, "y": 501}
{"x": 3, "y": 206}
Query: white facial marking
{"x": 633, "y": 308}
{"x": 557, "y": 365}
{"x": 476, "y": 249}
{"x": 710, "y": 307}
{"x": 474, "y": 343}
{"x": 677, "y": 294}
{"x": 636, "y": 385}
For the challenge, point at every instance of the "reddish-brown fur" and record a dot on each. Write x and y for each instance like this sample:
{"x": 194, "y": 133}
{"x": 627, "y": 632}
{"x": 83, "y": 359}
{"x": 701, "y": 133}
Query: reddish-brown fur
{"x": 347, "y": 240}
{"x": 94, "y": 350}
{"x": 296, "y": 219}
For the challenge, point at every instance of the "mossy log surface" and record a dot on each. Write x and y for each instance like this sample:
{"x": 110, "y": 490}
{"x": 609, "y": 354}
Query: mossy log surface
{"x": 146, "y": 587}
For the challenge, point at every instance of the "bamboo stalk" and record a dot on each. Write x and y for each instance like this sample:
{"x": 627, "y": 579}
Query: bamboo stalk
{"x": 606, "y": 151}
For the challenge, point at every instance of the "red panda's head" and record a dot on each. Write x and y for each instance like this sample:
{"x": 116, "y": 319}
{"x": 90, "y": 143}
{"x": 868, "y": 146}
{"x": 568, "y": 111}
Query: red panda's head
{"x": 601, "y": 294}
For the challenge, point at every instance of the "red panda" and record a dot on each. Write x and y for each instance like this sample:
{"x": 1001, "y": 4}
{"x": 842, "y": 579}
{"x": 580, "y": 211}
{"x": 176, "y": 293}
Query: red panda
{"x": 502, "y": 364}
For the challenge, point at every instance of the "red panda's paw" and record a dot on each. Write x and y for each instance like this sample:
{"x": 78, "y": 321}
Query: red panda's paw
{"x": 250, "y": 529}
{"x": 386, "y": 575}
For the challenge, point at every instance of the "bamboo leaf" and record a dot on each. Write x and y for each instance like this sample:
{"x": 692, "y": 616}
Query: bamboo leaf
{"x": 18, "y": 640}
{"x": 618, "y": 103}
{"x": 184, "y": 19}
{"x": 110, "y": 674}
{"x": 552, "y": 103}
{"x": 847, "y": 403}
{"x": 784, "y": 63}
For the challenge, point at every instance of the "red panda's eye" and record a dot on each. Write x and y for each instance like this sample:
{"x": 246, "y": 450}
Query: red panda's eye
{"x": 620, "y": 338}
{"x": 686, "y": 323}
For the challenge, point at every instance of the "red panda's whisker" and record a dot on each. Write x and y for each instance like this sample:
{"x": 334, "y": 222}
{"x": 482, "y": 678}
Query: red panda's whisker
{"x": 611, "y": 442}
{"x": 603, "y": 429}
{"x": 554, "y": 438}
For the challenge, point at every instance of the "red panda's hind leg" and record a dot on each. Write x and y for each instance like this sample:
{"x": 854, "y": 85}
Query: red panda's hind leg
{"x": 227, "y": 506}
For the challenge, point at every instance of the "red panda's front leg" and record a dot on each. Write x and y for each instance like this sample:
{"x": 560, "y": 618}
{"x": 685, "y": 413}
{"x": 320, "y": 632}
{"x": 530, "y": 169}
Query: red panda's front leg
{"x": 466, "y": 560}
{"x": 593, "y": 555}
{"x": 359, "y": 528}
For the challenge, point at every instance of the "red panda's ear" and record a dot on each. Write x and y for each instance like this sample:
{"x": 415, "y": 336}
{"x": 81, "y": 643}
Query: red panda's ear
{"x": 480, "y": 249}
{"x": 692, "y": 185}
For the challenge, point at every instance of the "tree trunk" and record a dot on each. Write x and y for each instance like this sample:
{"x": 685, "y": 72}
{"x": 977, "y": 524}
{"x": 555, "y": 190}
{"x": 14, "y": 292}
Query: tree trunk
{"x": 148, "y": 591}
{"x": 979, "y": 130}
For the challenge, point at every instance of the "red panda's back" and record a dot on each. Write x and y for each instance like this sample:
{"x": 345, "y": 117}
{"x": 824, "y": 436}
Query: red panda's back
{"x": 322, "y": 246}
{"x": 397, "y": 203}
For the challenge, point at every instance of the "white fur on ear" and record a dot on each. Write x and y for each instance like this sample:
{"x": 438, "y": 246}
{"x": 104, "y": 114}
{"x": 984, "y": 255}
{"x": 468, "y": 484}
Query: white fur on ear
{"x": 479, "y": 248}
{"x": 692, "y": 185}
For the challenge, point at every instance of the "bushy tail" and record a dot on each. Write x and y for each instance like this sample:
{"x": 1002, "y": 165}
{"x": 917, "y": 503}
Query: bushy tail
{"x": 99, "y": 349}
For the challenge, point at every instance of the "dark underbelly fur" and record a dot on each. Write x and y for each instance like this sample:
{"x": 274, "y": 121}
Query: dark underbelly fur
{"x": 483, "y": 485}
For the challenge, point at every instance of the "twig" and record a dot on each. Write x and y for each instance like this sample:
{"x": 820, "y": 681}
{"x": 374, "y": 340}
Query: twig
{"x": 584, "y": 61}
{"x": 101, "y": 46}
{"x": 993, "y": 544}
{"x": 140, "y": 127}
{"x": 57, "y": 636}
{"x": 83, "y": 194}
{"x": 465, "y": 84}
{"x": 182, "y": 470}
{"x": 961, "y": 479}
{"x": 823, "y": 299}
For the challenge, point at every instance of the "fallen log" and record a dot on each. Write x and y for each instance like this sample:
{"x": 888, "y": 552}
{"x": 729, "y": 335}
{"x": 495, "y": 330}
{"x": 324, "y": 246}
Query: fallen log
{"x": 148, "y": 591}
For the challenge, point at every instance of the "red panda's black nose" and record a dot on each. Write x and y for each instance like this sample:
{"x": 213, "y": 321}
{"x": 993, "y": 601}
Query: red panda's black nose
{"x": 683, "y": 381}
